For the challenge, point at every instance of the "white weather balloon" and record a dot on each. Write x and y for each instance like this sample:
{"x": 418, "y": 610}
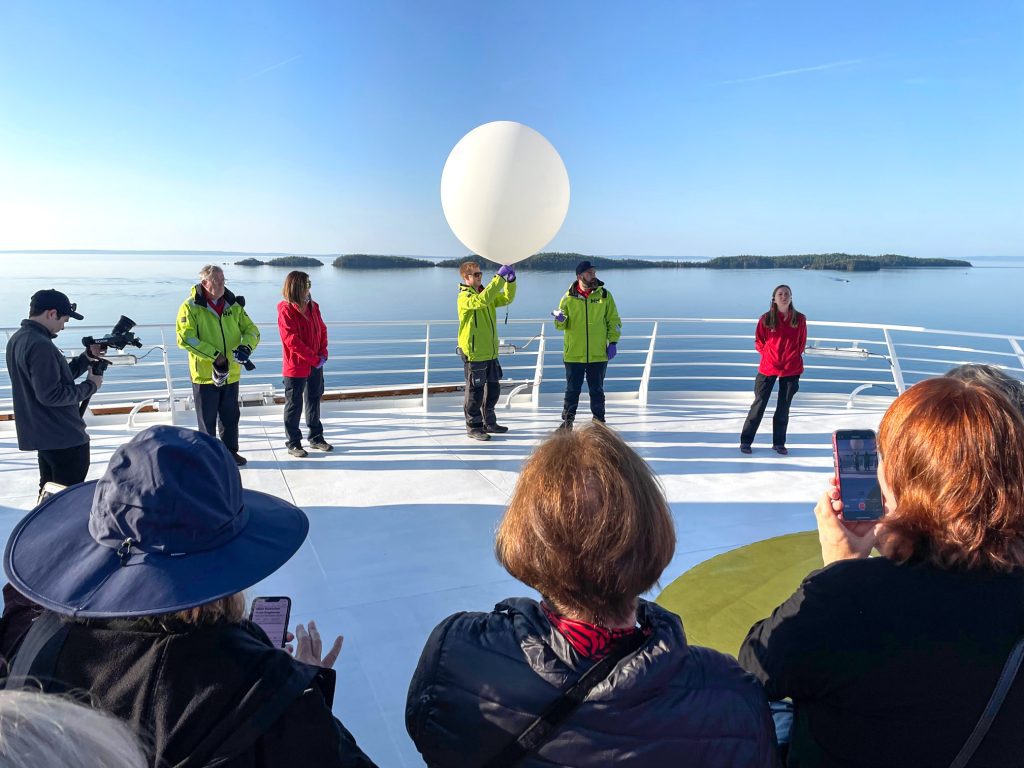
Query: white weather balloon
{"x": 505, "y": 191}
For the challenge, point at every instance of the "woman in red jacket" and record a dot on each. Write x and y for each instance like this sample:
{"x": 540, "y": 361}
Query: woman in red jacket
{"x": 781, "y": 338}
{"x": 304, "y": 338}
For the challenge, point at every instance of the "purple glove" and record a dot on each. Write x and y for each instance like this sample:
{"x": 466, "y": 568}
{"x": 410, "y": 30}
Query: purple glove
{"x": 507, "y": 273}
{"x": 559, "y": 315}
{"x": 321, "y": 363}
{"x": 612, "y": 351}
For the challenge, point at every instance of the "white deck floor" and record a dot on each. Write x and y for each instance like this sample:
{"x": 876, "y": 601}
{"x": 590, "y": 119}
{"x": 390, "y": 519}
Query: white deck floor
{"x": 402, "y": 515}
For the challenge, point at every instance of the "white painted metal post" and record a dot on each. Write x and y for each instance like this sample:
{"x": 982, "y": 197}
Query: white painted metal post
{"x": 894, "y": 361}
{"x": 538, "y": 373}
{"x": 1017, "y": 351}
{"x": 426, "y": 370}
{"x": 645, "y": 380}
{"x": 167, "y": 372}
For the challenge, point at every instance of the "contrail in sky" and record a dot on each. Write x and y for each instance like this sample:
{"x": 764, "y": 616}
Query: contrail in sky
{"x": 787, "y": 72}
{"x": 274, "y": 66}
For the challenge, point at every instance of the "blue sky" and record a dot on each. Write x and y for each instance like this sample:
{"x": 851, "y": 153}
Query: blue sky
{"x": 688, "y": 128}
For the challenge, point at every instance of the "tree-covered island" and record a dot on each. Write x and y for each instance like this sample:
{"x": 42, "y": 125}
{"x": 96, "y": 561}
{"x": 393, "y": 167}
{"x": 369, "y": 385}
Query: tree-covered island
{"x": 845, "y": 262}
{"x": 370, "y": 261}
{"x": 283, "y": 261}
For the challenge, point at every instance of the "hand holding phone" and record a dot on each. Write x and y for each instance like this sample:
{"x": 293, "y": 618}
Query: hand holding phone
{"x": 271, "y": 614}
{"x": 855, "y": 457}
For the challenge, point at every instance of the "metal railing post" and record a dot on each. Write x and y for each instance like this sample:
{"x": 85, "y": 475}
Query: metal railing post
{"x": 1017, "y": 351}
{"x": 167, "y": 372}
{"x": 426, "y": 370}
{"x": 538, "y": 373}
{"x": 645, "y": 380}
{"x": 894, "y": 361}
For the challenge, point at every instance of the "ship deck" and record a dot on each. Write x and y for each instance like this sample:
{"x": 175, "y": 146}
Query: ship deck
{"x": 403, "y": 512}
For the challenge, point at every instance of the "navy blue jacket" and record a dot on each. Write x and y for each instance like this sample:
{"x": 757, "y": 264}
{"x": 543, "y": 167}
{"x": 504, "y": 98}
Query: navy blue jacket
{"x": 484, "y": 677}
{"x": 43, "y": 387}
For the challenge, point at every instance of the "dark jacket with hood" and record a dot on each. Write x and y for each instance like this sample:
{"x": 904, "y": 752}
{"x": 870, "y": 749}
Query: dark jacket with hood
{"x": 484, "y": 677}
{"x": 46, "y": 397}
{"x": 186, "y": 690}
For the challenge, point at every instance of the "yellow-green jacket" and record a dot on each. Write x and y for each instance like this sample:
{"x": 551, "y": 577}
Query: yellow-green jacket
{"x": 204, "y": 334}
{"x": 591, "y": 324}
{"x": 478, "y": 323}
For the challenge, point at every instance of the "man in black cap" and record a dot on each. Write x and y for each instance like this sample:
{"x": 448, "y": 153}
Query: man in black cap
{"x": 590, "y": 321}
{"x": 46, "y": 397}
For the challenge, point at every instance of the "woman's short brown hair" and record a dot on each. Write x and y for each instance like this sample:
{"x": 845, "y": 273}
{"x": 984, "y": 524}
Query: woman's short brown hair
{"x": 467, "y": 268}
{"x": 296, "y": 286}
{"x": 588, "y": 526}
{"x": 953, "y": 455}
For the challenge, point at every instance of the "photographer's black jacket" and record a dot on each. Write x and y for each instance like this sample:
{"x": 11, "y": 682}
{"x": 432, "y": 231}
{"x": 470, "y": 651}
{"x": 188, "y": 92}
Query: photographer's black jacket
{"x": 46, "y": 397}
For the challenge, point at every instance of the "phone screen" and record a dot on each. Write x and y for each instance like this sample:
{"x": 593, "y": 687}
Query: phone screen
{"x": 856, "y": 463}
{"x": 271, "y": 615}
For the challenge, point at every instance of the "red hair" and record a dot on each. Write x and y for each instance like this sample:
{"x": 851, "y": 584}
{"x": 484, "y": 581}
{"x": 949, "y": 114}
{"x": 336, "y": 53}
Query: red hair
{"x": 953, "y": 455}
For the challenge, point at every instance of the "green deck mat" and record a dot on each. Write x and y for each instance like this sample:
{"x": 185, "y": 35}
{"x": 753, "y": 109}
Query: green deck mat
{"x": 721, "y": 599}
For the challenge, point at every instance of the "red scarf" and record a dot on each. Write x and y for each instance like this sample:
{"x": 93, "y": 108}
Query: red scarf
{"x": 590, "y": 640}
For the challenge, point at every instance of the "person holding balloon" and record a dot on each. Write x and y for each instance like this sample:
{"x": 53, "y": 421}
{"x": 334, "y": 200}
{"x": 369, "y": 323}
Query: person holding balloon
{"x": 478, "y": 345}
{"x": 588, "y": 317}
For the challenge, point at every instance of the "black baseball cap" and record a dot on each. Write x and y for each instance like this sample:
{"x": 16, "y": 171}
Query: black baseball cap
{"x": 52, "y": 299}
{"x": 583, "y": 266}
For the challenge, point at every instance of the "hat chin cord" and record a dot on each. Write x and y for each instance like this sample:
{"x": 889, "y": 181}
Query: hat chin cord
{"x": 125, "y": 550}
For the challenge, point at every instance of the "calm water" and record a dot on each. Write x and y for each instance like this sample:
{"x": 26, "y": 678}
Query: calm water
{"x": 149, "y": 289}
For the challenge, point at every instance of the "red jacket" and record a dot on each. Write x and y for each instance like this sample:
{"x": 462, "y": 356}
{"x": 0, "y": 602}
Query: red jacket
{"x": 782, "y": 347}
{"x": 303, "y": 336}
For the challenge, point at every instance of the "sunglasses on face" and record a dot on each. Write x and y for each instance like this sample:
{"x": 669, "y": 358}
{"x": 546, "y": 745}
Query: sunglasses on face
{"x": 476, "y": 274}
{"x": 309, "y": 283}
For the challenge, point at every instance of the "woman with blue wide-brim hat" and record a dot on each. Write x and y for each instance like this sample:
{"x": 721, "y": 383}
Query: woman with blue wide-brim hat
{"x": 141, "y": 574}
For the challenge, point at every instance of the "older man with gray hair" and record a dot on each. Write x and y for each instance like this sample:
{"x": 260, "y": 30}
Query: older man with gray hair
{"x": 218, "y": 335}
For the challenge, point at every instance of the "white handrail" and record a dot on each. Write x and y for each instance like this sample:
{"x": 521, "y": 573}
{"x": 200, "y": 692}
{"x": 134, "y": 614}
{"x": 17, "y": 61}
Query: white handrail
{"x": 677, "y": 352}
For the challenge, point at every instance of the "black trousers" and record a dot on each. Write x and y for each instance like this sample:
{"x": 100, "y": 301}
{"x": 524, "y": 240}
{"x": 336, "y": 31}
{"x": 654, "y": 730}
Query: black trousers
{"x": 66, "y": 466}
{"x": 574, "y": 375}
{"x": 218, "y": 404}
{"x": 303, "y": 395}
{"x": 483, "y": 388}
{"x": 788, "y": 386}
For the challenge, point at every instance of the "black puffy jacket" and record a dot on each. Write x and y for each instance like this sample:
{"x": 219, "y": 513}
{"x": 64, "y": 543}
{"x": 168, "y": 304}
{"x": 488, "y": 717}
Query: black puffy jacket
{"x": 186, "y": 690}
{"x": 484, "y": 677}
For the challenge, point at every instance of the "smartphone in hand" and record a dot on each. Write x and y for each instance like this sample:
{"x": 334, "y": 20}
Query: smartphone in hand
{"x": 271, "y": 614}
{"x": 855, "y": 455}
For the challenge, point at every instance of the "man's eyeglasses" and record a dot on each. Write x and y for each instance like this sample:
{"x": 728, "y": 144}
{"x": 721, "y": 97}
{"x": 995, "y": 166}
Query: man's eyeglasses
{"x": 476, "y": 274}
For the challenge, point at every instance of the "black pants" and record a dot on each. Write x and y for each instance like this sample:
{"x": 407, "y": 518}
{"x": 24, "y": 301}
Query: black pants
{"x": 788, "y": 386}
{"x": 294, "y": 388}
{"x": 66, "y": 466}
{"x": 574, "y": 374}
{"x": 483, "y": 388}
{"x": 215, "y": 404}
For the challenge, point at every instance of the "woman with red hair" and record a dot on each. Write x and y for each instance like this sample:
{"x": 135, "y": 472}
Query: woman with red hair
{"x": 891, "y": 660}
{"x": 304, "y": 343}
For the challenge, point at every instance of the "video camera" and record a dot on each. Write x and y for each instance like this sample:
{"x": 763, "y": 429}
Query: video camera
{"x": 120, "y": 336}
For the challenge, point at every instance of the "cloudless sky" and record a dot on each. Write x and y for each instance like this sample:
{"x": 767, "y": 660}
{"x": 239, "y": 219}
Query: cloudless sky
{"x": 687, "y": 128}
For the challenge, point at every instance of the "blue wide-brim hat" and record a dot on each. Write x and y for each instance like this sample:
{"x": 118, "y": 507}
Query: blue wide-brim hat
{"x": 168, "y": 527}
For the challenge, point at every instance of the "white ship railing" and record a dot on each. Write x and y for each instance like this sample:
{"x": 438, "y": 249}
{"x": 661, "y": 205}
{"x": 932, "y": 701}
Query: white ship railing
{"x": 417, "y": 359}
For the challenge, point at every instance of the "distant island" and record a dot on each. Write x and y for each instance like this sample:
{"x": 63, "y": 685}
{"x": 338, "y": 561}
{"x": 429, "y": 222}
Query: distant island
{"x": 369, "y": 261}
{"x": 283, "y": 261}
{"x": 562, "y": 262}
{"x": 845, "y": 262}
